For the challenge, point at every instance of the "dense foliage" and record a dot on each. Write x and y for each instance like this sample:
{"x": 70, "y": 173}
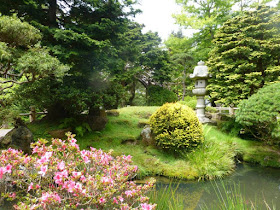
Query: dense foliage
{"x": 176, "y": 127}
{"x": 22, "y": 58}
{"x": 61, "y": 176}
{"x": 182, "y": 58}
{"x": 106, "y": 50}
{"x": 205, "y": 17}
{"x": 157, "y": 96}
{"x": 245, "y": 56}
{"x": 260, "y": 114}
{"x": 23, "y": 61}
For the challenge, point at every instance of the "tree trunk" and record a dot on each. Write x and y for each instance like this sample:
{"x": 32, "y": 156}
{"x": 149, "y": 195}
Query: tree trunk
{"x": 184, "y": 85}
{"x": 52, "y": 13}
{"x": 132, "y": 91}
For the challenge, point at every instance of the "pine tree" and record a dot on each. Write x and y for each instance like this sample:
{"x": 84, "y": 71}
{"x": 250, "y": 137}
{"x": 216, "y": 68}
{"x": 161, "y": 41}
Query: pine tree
{"x": 246, "y": 55}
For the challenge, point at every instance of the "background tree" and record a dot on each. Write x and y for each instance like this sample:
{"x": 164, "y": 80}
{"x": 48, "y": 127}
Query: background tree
{"x": 22, "y": 58}
{"x": 83, "y": 34}
{"x": 181, "y": 54}
{"x": 245, "y": 56}
{"x": 206, "y": 17}
{"x": 22, "y": 61}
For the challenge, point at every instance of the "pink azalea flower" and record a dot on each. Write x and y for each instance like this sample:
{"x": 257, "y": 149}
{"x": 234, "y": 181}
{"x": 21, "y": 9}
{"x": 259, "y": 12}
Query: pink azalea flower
{"x": 127, "y": 157}
{"x": 124, "y": 207}
{"x": 64, "y": 173}
{"x": 61, "y": 165}
{"x": 12, "y": 195}
{"x": 128, "y": 193}
{"x": 27, "y": 160}
{"x": 73, "y": 141}
{"x": 48, "y": 155}
{"x": 58, "y": 178}
{"x": 115, "y": 200}
{"x": 135, "y": 168}
{"x": 83, "y": 152}
{"x": 106, "y": 180}
{"x": 76, "y": 174}
{"x": 102, "y": 200}
{"x": 121, "y": 199}
{"x": 45, "y": 196}
{"x": 71, "y": 186}
{"x": 9, "y": 168}
{"x": 146, "y": 206}
{"x": 57, "y": 198}
{"x": 78, "y": 186}
{"x": 86, "y": 159}
{"x": 30, "y": 187}
{"x": 2, "y": 172}
{"x": 43, "y": 170}
{"x": 82, "y": 178}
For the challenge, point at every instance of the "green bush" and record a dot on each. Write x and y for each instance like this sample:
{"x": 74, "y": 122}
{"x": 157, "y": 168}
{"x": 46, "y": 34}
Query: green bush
{"x": 176, "y": 127}
{"x": 230, "y": 126}
{"x": 189, "y": 101}
{"x": 211, "y": 109}
{"x": 157, "y": 96}
{"x": 260, "y": 114}
{"x": 191, "y": 104}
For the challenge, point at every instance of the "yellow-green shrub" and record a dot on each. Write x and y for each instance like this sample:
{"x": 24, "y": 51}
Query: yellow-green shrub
{"x": 176, "y": 127}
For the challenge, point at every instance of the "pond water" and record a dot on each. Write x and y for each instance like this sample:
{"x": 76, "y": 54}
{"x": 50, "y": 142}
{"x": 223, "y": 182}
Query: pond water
{"x": 257, "y": 184}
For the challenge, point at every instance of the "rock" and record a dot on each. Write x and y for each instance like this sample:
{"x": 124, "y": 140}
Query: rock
{"x": 21, "y": 139}
{"x": 6, "y": 140}
{"x": 129, "y": 141}
{"x": 113, "y": 112}
{"x": 147, "y": 137}
{"x": 143, "y": 123}
{"x": 208, "y": 115}
{"x": 60, "y": 134}
{"x": 97, "y": 123}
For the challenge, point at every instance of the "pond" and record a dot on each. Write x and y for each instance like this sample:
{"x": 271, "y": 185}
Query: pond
{"x": 256, "y": 184}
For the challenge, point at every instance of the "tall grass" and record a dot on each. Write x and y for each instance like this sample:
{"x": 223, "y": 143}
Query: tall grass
{"x": 167, "y": 198}
{"x": 230, "y": 197}
{"x": 215, "y": 158}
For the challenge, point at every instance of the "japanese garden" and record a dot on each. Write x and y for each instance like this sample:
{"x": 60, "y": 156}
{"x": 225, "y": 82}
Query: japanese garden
{"x": 95, "y": 113}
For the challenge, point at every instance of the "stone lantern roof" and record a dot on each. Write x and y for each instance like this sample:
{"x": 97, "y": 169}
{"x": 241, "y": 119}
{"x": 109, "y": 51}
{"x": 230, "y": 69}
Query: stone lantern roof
{"x": 200, "y": 71}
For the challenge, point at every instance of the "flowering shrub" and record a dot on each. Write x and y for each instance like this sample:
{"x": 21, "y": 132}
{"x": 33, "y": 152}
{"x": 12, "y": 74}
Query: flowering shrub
{"x": 61, "y": 176}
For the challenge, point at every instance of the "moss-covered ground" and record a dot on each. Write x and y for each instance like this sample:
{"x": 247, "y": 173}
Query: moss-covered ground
{"x": 215, "y": 158}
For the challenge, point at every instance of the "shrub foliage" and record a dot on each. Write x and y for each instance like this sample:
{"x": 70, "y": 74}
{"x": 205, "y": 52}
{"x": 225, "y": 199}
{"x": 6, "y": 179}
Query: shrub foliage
{"x": 176, "y": 127}
{"x": 246, "y": 55}
{"x": 157, "y": 96}
{"x": 260, "y": 114}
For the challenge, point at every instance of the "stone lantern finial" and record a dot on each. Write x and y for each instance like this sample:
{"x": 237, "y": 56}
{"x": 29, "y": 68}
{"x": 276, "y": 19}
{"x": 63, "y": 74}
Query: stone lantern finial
{"x": 200, "y": 75}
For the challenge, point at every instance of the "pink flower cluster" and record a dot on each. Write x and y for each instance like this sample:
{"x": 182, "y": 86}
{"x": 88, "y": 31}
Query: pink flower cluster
{"x": 61, "y": 175}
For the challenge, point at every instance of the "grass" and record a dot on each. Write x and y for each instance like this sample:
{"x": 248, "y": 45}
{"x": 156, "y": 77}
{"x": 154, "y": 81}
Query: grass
{"x": 215, "y": 158}
{"x": 232, "y": 198}
{"x": 167, "y": 198}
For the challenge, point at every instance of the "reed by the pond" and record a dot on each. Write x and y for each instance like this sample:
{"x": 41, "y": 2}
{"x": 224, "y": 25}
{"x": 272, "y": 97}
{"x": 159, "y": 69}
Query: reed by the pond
{"x": 229, "y": 197}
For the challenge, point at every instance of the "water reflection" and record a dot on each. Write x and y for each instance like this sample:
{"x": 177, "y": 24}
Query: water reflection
{"x": 257, "y": 184}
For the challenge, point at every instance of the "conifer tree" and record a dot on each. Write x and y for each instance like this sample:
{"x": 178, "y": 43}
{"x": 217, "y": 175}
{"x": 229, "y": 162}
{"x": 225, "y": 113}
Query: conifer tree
{"x": 246, "y": 55}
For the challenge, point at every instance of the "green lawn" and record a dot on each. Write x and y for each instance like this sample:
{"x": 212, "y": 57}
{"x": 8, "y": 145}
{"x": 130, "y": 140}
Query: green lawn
{"x": 215, "y": 158}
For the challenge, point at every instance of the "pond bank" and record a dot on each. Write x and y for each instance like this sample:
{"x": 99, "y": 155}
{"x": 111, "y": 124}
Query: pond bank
{"x": 255, "y": 184}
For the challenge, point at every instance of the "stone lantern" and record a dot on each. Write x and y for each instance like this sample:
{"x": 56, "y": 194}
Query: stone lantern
{"x": 200, "y": 76}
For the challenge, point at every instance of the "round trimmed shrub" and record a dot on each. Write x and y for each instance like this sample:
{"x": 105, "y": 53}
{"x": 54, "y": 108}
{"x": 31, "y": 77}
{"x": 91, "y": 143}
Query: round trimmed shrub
{"x": 176, "y": 127}
{"x": 259, "y": 114}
